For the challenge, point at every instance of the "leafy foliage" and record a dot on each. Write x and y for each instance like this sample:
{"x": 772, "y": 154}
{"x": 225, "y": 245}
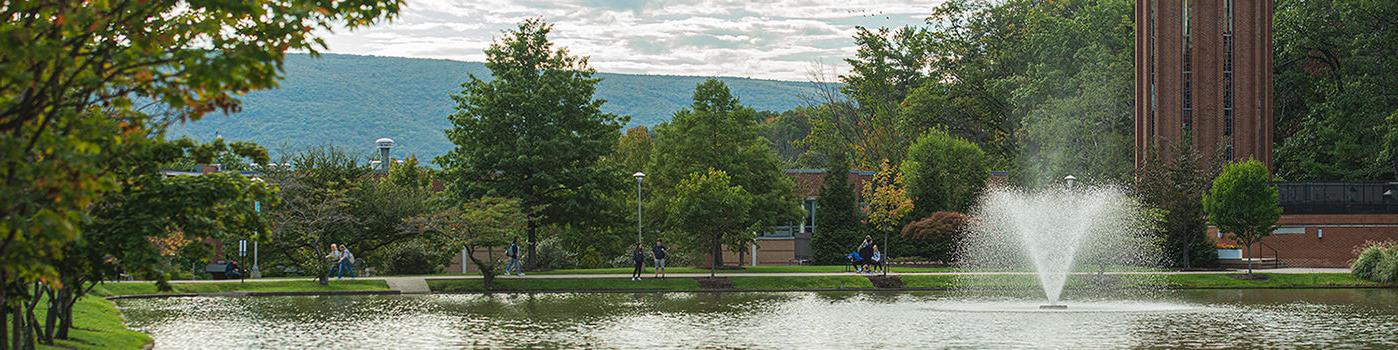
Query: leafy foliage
{"x": 1334, "y": 89}
{"x": 719, "y": 133}
{"x": 480, "y": 223}
{"x": 1242, "y": 204}
{"x": 708, "y": 210}
{"x": 1376, "y": 261}
{"x": 534, "y": 133}
{"x": 837, "y": 227}
{"x": 944, "y": 172}
{"x": 1176, "y": 183}
{"x": 936, "y": 237}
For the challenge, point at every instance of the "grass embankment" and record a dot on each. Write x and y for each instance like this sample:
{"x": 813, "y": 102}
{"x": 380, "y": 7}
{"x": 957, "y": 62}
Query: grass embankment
{"x": 745, "y": 269}
{"x": 915, "y": 282}
{"x": 132, "y": 288}
{"x": 564, "y": 284}
{"x": 97, "y": 324}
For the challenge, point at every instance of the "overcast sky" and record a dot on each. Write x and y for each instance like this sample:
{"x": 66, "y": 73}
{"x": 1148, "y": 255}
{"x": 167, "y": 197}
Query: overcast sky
{"x": 781, "y": 39}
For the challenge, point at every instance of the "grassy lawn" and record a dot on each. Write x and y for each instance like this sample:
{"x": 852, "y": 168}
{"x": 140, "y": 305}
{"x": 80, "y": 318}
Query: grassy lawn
{"x": 97, "y": 324}
{"x": 563, "y": 284}
{"x": 129, "y": 288}
{"x": 745, "y": 269}
{"x": 1274, "y": 280}
{"x": 800, "y": 282}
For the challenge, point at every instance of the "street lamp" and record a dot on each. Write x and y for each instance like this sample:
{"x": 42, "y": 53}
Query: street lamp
{"x": 1070, "y": 179}
{"x": 639, "y": 176}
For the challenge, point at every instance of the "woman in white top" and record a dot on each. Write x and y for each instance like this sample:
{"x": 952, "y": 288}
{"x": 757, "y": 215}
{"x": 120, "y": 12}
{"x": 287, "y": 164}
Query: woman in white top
{"x": 334, "y": 259}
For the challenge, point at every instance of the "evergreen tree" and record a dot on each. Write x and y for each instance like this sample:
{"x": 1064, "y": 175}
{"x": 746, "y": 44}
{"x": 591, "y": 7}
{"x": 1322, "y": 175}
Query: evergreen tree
{"x": 1176, "y": 185}
{"x": 836, "y": 221}
{"x": 534, "y": 133}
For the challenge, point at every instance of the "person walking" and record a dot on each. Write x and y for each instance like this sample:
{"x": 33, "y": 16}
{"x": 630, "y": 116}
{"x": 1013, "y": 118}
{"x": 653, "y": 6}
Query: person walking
{"x": 334, "y": 259}
{"x": 513, "y": 253}
{"x": 659, "y": 252}
{"x": 346, "y": 261}
{"x": 639, "y": 259}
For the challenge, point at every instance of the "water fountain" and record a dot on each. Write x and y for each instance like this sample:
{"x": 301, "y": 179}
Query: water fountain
{"x": 1054, "y": 231}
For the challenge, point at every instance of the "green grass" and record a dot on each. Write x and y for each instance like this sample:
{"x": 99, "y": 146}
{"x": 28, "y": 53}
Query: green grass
{"x": 129, "y": 288}
{"x": 97, "y": 324}
{"x": 800, "y": 282}
{"x": 1274, "y": 280}
{"x": 563, "y": 284}
{"x": 745, "y": 269}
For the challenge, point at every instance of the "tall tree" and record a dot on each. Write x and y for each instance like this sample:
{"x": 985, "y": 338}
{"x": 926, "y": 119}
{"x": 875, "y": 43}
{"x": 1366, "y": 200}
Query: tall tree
{"x": 710, "y": 210}
{"x": 837, "y": 215}
{"x": 719, "y": 133}
{"x": 534, "y": 132}
{"x": 77, "y": 76}
{"x": 1335, "y": 63}
{"x": 888, "y": 204}
{"x": 1242, "y": 204}
{"x": 1175, "y": 183}
{"x": 316, "y": 207}
{"x": 944, "y": 173}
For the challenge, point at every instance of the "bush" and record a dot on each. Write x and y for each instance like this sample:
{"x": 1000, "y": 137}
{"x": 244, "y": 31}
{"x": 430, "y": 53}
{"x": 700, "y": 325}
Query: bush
{"x": 1377, "y": 262}
{"x": 936, "y": 237}
{"x": 408, "y": 259}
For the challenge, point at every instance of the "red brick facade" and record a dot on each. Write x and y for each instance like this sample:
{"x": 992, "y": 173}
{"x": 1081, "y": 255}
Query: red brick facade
{"x": 1323, "y": 240}
{"x": 1168, "y": 32}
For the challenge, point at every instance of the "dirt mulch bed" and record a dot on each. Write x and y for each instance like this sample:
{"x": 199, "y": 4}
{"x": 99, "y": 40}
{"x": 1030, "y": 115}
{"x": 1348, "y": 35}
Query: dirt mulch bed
{"x": 714, "y": 283}
{"x": 886, "y": 281}
{"x": 1252, "y": 277}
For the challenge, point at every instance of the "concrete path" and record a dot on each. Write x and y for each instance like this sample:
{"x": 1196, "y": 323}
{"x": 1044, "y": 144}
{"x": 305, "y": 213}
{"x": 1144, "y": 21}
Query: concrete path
{"x": 408, "y": 285}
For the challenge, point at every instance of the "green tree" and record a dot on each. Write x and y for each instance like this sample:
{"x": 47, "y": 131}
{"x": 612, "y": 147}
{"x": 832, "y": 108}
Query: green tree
{"x": 708, "y": 210}
{"x": 1334, "y": 89}
{"x": 719, "y": 133}
{"x": 944, "y": 173}
{"x": 77, "y": 74}
{"x": 837, "y": 215}
{"x": 479, "y": 224}
{"x": 316, "y": 207}
{"x": 1176, "y": 185}
{"x": 534, "y": 132}
{"x": 888, "y": 204}
{"x": 1242, "y": 204}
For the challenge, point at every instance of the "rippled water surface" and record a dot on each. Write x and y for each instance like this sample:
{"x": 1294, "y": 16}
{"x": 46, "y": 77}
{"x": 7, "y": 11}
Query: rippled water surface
{"x": 1192, "y": 319}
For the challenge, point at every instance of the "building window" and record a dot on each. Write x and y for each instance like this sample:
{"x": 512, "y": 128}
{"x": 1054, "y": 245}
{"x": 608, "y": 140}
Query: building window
{"x": 1228, "y": 77}
{"x": 810, "y": 206}
{"x": 1150, "y": 66}
{"x": 1186, "y": 117}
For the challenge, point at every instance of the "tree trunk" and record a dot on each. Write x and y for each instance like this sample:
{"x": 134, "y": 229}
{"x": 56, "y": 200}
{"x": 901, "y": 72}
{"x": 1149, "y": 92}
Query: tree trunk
{"x": 65, "y": 321}
{"x": 4, "y": 321}
{"x": 531, "y": 262}
{"x": 1249, "y": 248}
{"x": 55, "y": 309}
{"x": 32, "y": 321}
{"x": 717, "y": 258}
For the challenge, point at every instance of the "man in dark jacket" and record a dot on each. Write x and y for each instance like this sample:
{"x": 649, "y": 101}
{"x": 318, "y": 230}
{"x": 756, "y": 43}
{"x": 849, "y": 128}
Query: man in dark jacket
{"x": 659, "y": 252}
{"x": 513, "y": 253}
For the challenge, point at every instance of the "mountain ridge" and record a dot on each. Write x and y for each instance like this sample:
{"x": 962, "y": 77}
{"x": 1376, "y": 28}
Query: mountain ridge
{"x": 351, "y": 100}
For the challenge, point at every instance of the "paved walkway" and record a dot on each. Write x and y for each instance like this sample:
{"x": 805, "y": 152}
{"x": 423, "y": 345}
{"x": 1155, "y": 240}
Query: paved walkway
{"x": 418, "y": 284}
{"x": 408, "y": 285}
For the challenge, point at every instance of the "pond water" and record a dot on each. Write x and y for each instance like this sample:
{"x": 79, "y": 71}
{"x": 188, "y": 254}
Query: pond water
{"x": 1305, "y": 318}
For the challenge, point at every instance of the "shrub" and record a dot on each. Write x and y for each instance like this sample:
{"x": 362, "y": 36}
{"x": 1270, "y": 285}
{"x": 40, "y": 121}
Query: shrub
{"x": 408, "y": 260}
{"x": 935, "y": 237}
{"x": 1376, "y": 262}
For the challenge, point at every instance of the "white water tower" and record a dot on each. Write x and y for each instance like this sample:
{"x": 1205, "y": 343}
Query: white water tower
{"x": 385, "y": 145}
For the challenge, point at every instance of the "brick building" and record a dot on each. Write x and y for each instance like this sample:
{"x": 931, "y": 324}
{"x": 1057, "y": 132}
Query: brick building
{"x": 1204, "y": 68}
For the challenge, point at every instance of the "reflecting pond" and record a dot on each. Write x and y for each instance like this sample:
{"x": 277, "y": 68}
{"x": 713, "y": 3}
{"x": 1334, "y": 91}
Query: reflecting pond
{"x": 1306, "y": 318}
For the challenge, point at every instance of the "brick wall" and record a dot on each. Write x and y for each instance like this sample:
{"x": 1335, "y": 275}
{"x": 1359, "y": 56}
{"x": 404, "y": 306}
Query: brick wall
{"x": 1323, "y": 240}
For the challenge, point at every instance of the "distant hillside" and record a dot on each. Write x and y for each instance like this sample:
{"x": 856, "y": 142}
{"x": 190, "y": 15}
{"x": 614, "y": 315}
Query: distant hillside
{"x": 350, "y": 100}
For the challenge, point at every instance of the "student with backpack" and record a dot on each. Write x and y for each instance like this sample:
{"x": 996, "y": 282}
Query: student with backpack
{"x": 513, "y": 253}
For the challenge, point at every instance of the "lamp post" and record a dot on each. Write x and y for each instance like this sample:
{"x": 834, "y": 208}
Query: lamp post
{"x": 256, "y": 273}
{"x": 1070, "y": 179}
{"x": 639, "y": 176}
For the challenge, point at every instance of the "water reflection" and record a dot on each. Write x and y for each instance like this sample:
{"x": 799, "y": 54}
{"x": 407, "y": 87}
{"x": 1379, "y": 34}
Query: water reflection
{"x": 1190, "y": 319}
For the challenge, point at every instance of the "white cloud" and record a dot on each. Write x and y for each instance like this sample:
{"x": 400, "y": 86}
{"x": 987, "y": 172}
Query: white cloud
{"x": 779, "y": 39}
